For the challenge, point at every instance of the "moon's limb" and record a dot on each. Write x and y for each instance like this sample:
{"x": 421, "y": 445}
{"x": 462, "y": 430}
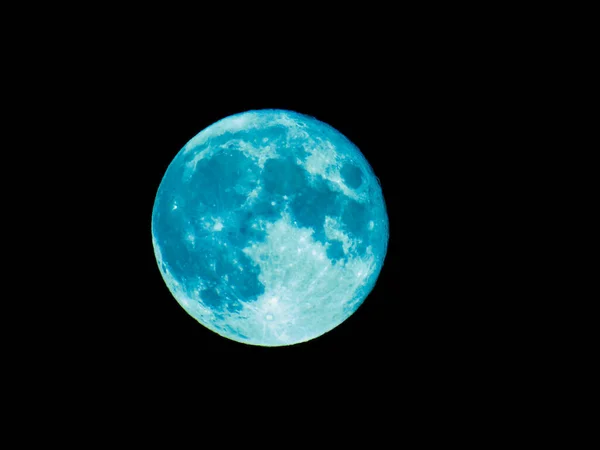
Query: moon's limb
{"x": 270, "y": 228}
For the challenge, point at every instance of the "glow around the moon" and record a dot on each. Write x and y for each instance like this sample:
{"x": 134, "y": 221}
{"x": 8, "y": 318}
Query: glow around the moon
{"x": 270, "y": 228}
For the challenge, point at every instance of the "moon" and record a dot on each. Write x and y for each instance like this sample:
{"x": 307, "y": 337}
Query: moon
{"x": 270, "y": 228}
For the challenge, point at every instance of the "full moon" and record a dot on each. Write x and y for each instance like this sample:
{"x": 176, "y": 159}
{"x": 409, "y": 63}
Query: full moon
{"x": 270, "y": 228}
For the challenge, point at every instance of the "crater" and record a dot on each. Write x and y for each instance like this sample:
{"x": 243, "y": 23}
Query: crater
{"x": 351, "y": 175}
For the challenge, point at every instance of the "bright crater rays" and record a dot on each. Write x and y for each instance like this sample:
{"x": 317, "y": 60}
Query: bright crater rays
{"x": 269, "y": 228}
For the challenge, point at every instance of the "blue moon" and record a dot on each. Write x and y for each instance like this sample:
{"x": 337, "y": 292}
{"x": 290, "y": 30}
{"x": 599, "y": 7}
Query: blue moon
{"x": 270, "y": 228}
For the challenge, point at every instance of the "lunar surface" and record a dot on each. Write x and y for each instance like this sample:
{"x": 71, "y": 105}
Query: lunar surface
{"x": 270, "y": 228}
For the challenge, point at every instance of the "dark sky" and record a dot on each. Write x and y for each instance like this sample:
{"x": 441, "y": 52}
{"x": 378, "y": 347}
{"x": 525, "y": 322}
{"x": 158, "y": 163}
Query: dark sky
{"x": 110, "y": 98}
{"x": 419, "y": 130}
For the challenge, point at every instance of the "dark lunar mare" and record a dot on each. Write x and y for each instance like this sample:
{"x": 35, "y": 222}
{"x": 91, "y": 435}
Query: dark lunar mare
{"x": 218, "y": 187}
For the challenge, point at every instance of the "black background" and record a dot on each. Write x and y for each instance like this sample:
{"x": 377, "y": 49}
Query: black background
{"x": 428, "y": 100}
{"x": 403, "y": 125}
{"x": 419, "y": 112}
